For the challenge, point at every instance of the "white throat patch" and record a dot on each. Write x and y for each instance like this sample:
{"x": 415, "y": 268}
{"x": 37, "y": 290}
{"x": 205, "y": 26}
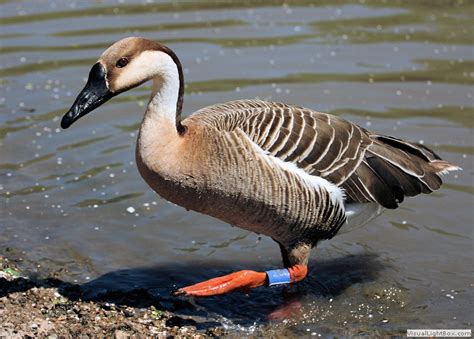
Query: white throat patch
{"x": 146, "y": 66}
{"x": 160, "y": 67}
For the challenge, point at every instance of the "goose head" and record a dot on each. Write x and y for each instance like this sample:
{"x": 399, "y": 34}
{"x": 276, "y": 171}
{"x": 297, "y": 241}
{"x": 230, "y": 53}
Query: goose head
{"x": 127, "y": 64}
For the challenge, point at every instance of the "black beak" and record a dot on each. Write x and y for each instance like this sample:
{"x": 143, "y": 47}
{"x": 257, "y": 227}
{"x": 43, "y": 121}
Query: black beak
{"x": 94, "y": 94}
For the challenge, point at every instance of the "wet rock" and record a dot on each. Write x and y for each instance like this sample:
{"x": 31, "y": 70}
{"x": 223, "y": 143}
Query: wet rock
{"x": 215, "y": 332}
{"x": 178, "y": 321}
{"x": 128, "y": 312}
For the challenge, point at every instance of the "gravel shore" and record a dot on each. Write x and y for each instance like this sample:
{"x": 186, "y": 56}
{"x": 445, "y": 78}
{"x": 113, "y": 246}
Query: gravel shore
{"x": 50, "y": 307}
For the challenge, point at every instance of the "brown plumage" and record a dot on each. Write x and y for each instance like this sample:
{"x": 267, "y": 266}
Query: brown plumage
{"x": 285, "y": 171}
{"x": 369, "y": 167}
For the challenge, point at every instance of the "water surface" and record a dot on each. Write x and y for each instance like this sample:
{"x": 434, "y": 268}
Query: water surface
{"x": 402, "y": 68}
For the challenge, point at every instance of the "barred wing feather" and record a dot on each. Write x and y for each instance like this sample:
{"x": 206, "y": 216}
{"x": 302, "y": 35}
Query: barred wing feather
{"x": 369, "y": 167}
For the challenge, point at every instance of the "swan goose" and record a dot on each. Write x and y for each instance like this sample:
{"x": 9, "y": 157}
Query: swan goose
{"x": 285, "y": 171}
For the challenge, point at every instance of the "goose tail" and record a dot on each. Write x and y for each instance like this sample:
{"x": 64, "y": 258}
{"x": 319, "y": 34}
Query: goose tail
{"x": 443, "y": 167}
{"x": 393, "y": 169}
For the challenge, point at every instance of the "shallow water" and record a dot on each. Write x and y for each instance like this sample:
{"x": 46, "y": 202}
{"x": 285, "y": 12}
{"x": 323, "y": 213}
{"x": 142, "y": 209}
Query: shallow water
{"x": 403, "y": 68}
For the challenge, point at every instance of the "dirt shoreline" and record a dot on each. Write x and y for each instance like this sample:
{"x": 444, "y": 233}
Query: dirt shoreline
{"x": 50, "y": 307}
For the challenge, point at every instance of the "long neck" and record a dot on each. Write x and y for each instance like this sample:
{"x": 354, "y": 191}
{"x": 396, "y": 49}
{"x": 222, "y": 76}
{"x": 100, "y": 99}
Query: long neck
{"x": 161, "y": 126}
{"x": 166, "y": 99}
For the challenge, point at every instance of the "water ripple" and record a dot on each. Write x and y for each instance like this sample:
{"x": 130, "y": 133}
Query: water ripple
{"x": 99, "y": 202}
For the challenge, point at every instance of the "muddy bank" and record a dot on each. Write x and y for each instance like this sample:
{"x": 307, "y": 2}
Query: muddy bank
{"x": 51, "y": 307}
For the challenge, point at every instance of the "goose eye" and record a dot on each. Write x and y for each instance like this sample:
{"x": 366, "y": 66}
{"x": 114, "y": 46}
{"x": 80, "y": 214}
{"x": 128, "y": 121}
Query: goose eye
{"x": 122, "y": 62}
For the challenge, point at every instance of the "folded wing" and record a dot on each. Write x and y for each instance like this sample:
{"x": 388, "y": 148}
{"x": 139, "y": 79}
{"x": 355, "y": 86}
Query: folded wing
{"x": 369, "y": 167}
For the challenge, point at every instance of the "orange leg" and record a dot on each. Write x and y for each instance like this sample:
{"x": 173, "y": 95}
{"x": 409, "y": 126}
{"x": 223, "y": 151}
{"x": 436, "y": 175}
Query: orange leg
{"x": 298, "y": 272}
{"x": 238, "y": 280}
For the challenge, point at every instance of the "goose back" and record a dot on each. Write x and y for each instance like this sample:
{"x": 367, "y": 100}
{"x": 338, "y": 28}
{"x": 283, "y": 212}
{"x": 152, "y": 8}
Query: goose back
{"x": 369, "y": 167}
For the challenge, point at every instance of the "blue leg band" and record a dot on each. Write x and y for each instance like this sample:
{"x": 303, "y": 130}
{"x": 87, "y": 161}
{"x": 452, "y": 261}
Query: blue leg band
{"x": 278, "y": 277}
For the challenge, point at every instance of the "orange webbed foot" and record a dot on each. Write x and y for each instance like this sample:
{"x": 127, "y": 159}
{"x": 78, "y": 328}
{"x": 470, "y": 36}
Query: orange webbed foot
{"x": 238, "y": 280}
{"x": 245, "y": 279}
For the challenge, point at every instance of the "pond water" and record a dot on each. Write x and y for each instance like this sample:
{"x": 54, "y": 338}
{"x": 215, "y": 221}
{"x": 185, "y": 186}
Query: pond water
{"x": 74, "y": 205}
